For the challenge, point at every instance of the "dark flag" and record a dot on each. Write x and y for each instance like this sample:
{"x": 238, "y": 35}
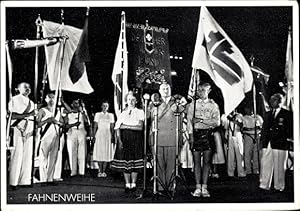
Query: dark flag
{"x": 81, "y": 55}
{"x": 73, "y": 76}
{"x": 148, "y": 57}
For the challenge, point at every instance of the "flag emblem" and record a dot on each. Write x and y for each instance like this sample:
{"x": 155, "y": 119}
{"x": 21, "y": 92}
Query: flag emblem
{"x": 217, "y": 55}
{"x": 220, "y": 50}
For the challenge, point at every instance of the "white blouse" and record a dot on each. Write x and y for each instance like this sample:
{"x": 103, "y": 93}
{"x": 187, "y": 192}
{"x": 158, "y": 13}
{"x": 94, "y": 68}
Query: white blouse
{"x": 130, "y": 117}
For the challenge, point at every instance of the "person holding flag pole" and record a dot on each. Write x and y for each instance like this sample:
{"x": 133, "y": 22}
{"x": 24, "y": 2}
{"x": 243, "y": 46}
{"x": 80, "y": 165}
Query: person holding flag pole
{"x": 71, "y": 76}
{"x": 49, "y": 122}
{"x": 219, "y": 57}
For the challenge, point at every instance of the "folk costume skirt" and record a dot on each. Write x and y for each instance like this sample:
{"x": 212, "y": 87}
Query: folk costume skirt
{"x": 129, "y": 158}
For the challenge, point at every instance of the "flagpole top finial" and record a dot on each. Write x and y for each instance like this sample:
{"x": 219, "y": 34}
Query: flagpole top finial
{"x": 122, "y": 13}
{"x": 290, "y": 28}
{"x": 147, "y": 23}
{"x": 252, "y": 58}
{"x": 62, "y": 15}
{"x": 38, "y": 21}
{"x": 87, "y": 11}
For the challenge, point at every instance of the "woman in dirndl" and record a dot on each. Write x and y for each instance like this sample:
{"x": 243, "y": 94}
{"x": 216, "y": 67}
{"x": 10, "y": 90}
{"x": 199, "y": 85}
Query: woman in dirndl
{"x": 129, "y": 134}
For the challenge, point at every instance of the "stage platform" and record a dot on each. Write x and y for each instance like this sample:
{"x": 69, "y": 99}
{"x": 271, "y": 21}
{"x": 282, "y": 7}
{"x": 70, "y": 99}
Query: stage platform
{"x": 111, "y": 190}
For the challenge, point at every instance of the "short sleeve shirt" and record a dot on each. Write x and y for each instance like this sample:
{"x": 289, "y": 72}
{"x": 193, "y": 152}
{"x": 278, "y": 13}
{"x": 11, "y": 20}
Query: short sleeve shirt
{"x": 130, "y": 117}
{"x": 249, "y": 121}
{"x": 206, "y": 110}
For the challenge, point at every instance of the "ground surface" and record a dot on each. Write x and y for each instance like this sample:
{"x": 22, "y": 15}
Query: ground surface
{"x": 111, "y": 190}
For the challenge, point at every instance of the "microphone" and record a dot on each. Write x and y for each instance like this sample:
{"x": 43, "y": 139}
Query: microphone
{"x": 155, "y": 98}
{"x": 20, "y": 44}
{"x": 180, "y": 103}
{"x": 146, "y": 96}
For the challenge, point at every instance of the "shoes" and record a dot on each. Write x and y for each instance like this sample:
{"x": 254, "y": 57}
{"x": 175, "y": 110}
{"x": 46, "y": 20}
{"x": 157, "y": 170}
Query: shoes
{"x": 132, "y": 187}
{"x": 58, "y": 180}
{"x": 205, "y": 193}
{"x": 279, "y": 190}
{"x": 263, "y": 188}
{"x": 101, "y": 174}
{"x": 197, "y": 193}
{"x": 215, "y": 176}
{"x": 35, "y": 180}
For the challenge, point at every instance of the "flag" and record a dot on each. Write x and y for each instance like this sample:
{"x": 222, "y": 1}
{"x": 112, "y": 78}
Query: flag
{"x": 218, "y": 56}
{"x": 10, "y": 71}
{"x": 120, "y": 70}
{"x": 149, "y": 57}
{"x": 260, "y": 79}
{"x": 73, "y": 73}
{"x": 195, "y": 81}
{"x": 288, "y": 104}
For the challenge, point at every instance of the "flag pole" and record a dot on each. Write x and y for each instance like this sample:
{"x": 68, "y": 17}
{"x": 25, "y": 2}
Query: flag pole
{"x": 196, "y": 89}
{"x": 255, "y": 112}
{"x": 38, "y": 23}
{"x": 288, "y": 101}
{"x": 44, "y": 81}
{"x": 10, "y": 70}
{"x": 58, "y": 92}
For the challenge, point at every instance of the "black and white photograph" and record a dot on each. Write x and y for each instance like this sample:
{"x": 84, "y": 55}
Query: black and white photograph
{"x": 164, "y": 105}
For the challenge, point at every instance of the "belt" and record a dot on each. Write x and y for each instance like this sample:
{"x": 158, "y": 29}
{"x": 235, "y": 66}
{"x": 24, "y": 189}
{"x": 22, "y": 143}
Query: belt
{"x": 201, "y": 130}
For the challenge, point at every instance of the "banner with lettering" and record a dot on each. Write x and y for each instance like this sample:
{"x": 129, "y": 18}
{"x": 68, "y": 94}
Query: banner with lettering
{"x": 148, "y": 56}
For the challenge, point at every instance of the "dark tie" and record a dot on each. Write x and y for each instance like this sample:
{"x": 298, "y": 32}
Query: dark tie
{"x": 273, "y": 114}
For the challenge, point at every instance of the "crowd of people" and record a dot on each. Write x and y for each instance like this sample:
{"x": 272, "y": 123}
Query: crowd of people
{"x": 247, "y": 144}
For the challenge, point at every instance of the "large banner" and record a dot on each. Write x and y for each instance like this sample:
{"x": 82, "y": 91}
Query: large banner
{"x": 148, "y": 56}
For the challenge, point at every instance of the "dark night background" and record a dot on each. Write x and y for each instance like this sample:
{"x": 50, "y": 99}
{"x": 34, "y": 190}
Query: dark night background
{"x": 261, "y": 31}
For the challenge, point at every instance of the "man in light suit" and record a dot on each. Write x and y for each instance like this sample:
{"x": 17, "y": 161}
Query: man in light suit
{"x": 166, "y": 152}
{"x": 277, "y": 129}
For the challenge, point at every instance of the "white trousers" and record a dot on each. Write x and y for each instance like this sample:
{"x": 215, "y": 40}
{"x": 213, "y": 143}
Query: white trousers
{"x": 76, "y": 145}
{"x": 58, "y": 164}
{"x": 48, "y": 157}
{"x": 235, "y": 157}
{"x": 21, "y": 160}
{"x": 273, "y": 163}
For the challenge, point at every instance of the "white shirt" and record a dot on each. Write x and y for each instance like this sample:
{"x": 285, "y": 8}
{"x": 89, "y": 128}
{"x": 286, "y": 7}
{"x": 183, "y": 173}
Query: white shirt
{"x": 130, "y": 117}
{"x": 18, "y": 104}
{"x": 276, "y": 112}
{"x": 166, "y": 99}
{"x": 76, "y": 117}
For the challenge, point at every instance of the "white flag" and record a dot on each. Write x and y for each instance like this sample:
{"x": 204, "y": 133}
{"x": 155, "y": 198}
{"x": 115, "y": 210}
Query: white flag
{"x": 120, "y": 70}
{"x": 72, "y": 79}
{"x": 218, "y": 56}
{"x": 289, "y": 99}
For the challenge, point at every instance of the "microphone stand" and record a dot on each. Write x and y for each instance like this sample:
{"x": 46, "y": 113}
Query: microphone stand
{"x": 155, "y": 177}
{"x": 177, "y": 173}
{"x": 146, "y": 98}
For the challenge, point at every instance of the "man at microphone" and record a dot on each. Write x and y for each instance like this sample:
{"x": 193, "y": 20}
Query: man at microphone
{"x": 166, "y": 146}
